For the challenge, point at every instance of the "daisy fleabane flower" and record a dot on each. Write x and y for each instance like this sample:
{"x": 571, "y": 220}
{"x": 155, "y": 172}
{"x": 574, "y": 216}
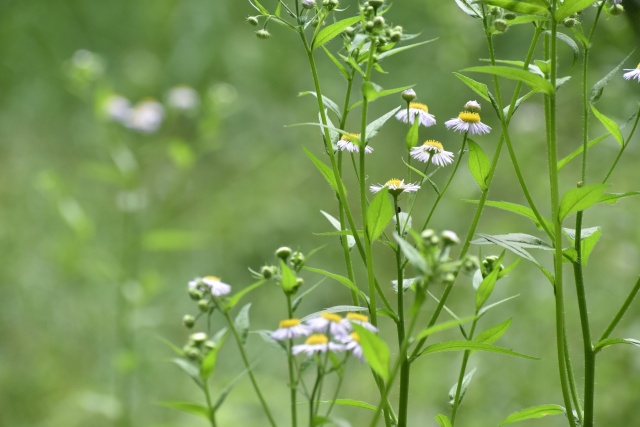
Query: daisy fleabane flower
{"x": 396, "y": 186}
{"x": 359, "y": 319}
{"x": 434, "y": 151}
{"x": 468, "y": 121}
{"x": 316, "y": 343}
{"x": 351, "y": 143}
{"x": 419, "y": 110}
{"x": 632, "y": 74}
{"x": 289, "y": 329}
{"x": 352, "y": 344}
{"x": 216, "y": 286}
{"x": 328, "y": 323}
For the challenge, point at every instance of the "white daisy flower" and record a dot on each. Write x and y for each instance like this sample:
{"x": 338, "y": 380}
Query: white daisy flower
{"x": 183, "y": 98}
{"x": 146, "y": 116}
{"x": 316, "y": 343}
{"x": 396, "y": 186}
{"x": 419, "y": 110}
{"x": 328, "y": 323}
{"x": 117, "y": 108}
{"x": 351, "y": 143}
{"x": 352, "y": 344}
{"x": 216, "y": 287}
{"x": 289, "y": 329}
{"x": 632, "y": 74}
{"x": 359, "y": 319}
{"x": 432, "y": 150}
{"x": 468, "y": 121}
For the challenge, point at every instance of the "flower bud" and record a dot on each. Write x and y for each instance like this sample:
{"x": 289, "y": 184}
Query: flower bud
{"x": 297, "y": 260}
{"x": 263, "y": 34}
{"x": 449, "y": 238}
{"x": 570, "y": 22}
{"x": 616, "y": 10}
{"x": 376, "y": 3}
{"x": 449, "y": 278}
{"x": 395, "y": 36}
{"x": 266, "y": 272}
{"x": 283, "y": 252}
{"x": 252, "y": 20}
{"x": 330, "y": 4}
{"x": 500, "y": 25}
{"x": 308, "y": 4}
{"x": 378, "y": 21}
{"x": 188, "y": 321}
{"x": 209, "y": 345}
{"x": 195, "y": 294}
{"x": 198, "y": 337}
{"x": 427, "y": 234}
{"x": 472, "y": 107}
{"x": 203, "y": 305}
{"x": 409, "y": 95}
{"x": 368, "y": 26}
{"x": 299, "y": 282}
{"x": 471, "y": 263}
{"x": 510, "y": 16}
{"x": 193, "y": 353}
{"x": 350, "y": 32}
{"x": 495, "y": 11}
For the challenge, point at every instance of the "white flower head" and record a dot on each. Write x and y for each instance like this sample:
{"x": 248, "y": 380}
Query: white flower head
{"x": 289, "y": 329}
{"x": 632, "y": 73}
{"x": 146, "y": 116}
{"x": 328, "y": 323}
{"x": 351, "y": 143}
{"x": 117, "y": 108}
{"x": 434, "y": 151}
{"x": 183, "y": 98}
{"x": 359, "y": 319}
{"x": 352, "y": 345}
{"x": 416, "y": 109}
{"x": 468, "y": 121}
{"x": 473, "y": 106}
{"x": 216, "y": 286}
{"x": 316, "y": 343}
{"x": 396, "y": 186}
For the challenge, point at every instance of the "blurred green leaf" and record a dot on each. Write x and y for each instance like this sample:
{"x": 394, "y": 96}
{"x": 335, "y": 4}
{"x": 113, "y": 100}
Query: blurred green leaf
{"x": 443, "y": 420}
{"x": 612, "y": 198}
{"x": 350, "y": 402}
{"x": 325, "y": 170}
{"x": 518, "y": 209}
{"x": 463, "y": 390}
{"x": 412, "y": 254}
{"x": 242, "y": 323}
{"x": 531, "y": 7}
{"x": 188, "y": 407}
{"x": 341, "y": 279}
{"x": 288, "y": 279}
{"x": 232, "y": 301}
{"x": 379, "y": 214}
{"x": 326, "y": 101}
{"x": 611, "y": 126}
{"x": 479, "y": 164}
{"x": 394, "y": 51}
{"x": 569, "y": 7}
{"x": 533, "y": 412}
{"x": 191, "y": 369}
{"x": 600, "y": 345}
{"x": 375, "y": 350}
{"x": 598, "y": 88}
{"x": 588, "y": 239}
{"x": 443, "y": 327}
{"x": 471, "y": 346}
{"x": 479, "y": 88}
{"x": 563, "y": 162}
{"x": 485, "y": 289}
{"x": 208, "y": 365}
{"x": 373, "y": 127}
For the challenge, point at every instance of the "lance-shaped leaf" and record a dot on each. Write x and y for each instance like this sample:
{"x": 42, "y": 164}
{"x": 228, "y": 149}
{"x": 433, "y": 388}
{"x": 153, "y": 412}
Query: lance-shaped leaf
{"x": 242, "y": 323}
{"x": 326, "y": 101}
{"x": 518, "y": 209}
{"x": 535, "y": 82}
{"x": 350, "y": 402}
{"x": 598, "y": 88}
{"x": 580, "y": 199}
{"x": 412, "y": 135}
{"x": 379, "y": 214}
{"x": 492, "y": 335}
{"x": 470, "y": 8}
{"x": 334, "y": 30}
{"x": 396, "y": 50}
{"x": 485, "y": 289}
{"x": 373, "y": 127}
{"x": 443, "y": 420}
{"x": 529, "y": 7}
{"x": 375, "y": 350}
{"x": 569, "y": 7}
{"x": 479, "y": 164}
{"x": 188, "y": 407}
{"x": 463, "y": 390}
{"x": 412, "y": 254}
{"x": 514, "y": 242}
{"x": 588, "y": 239}
{"x": 533, "y": 412}
{"x": 562, "y": 163}
{"x": 612, "y": 198}
{"x": 471, "y": 346}
{"x": 611, "y": 126}
{"x": 208, "y": 364}
{"x": 612, "y": 341}
{"x": 479, "y": 88}
{"x": 239, "y": 295}
{"x": 341, "y": 279}
{"x": 325, "y": 170}
{"x": 351, "y": 241}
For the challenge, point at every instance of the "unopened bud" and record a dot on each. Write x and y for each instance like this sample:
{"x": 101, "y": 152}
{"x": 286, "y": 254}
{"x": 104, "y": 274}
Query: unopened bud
{"x": 395, "y": 36}
{"x": 376, "y": 3}
{"x": 252, "y": 20}
{"x": 203, "y": 305}
{"x": 472, "y": 106}
{"x": 308, "y": 4}
{"x": 209, "y": 345}
{"x": 378, "y": 21}
{"x": 350, "y": 32}
{"x": 510, "y": 16}
{"x": 570, "y": 22}
{"x": 195, "y": 294}
{"x": 297, "y": 260}
{"x": 198, "y": 337}
{"x": 188, "y": 321}
{"x": 299, "y": 282}
{"x": 500, "y": 25}
{"x": 266, "y": 272}
{"x": 449, "y": 238}
{"x": 263, "y": 34}
{"x": 427, "y": 234}
{"x": 409, "y": 95}
{"x": 368, "y": 26}
{"x": 283, "y": 252}
{"x": 449, "y": 278}
{"x": 616, "y": 10}
{"x": 193, "y": 353}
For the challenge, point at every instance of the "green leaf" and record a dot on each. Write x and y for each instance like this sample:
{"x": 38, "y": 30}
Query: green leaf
{"x": 517, "y": 209}
{"x": 513, "y": 243}
{"x": 188, "y": 367}
{"x": 479, "y": 88}
{"x": 598, "y": 88}
{"x": 334, "y": 30}
{"x": 335, "y": 309}
{"x": 373, "y": 127}
{"x": 569, "y": 7}
{"x": 225, "y": 392}
{"x": 580, "y": 199}
{"x": 611, "y": 126}
{"x": 530, "y": 7}
{"x": 351, "y": 402}
{"x": 208, "y": 364}
{"x": 337, "y": 63}
{"x": 492, "y": 335}
{"x": 412, "y": 135}
{"x": 443, "y": 326}
{"x": 375, "y": 350}
{"x": 289, "y": 280}
{"x": 379, "y": 214}
{"x": 485, "y": 289}
{"x": 463, "y": 390}
{"x": 325, "y": 170}
{"x": 341, "y": 279}
{"x": 471, "y": 346}
{"x": 569, "y": 42}
{"x": 242, "y": 323}
{"x": 479, "y": 164}
{"x": 563, "y": 162}
{"x": 320, "y": 420}
{"x": 402, "y": 49}
{"x": 588, "y": 239}
{"x": 412, "y": 254}
{"x": 612, "y": 198}
{"x": 612, "y": 341}
{"x": 443, "y": 420}
{"x": 535, "y": 82}
{"x": 495, "y": 304}
{"x": 239, "y": 295}
{"x": 188, "y": 407}
{"x": 326, "y": 101}
{"x": 469, "y": 8}
{"x": 533, "y": 412}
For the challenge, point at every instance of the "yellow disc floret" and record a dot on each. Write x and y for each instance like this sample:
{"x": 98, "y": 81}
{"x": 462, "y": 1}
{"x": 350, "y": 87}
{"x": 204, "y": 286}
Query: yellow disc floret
{"x": 331, "y": 317}
{"x": 316, "y": 339}
{"x": 419, "y": 106}
{"x": 352, "y": 137}
{"x": 289, "y": 323}
{"x": 212, "y": 278}
{"x": 357, "y": 316}
{"x": 394, "y": 183}
{"x": 434, "y": 143}
{"x": 354, "y": 336}
{"x": 469, "y": 117}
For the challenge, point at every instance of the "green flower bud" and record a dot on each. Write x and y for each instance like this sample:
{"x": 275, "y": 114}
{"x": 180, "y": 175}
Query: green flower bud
{"x": 193, "y": 353}
{"x": 449, "y": 278}
{"x": 297, "y": 260}
{"x": 368, "y": 26}
{"x": 449, "y": 238}
{"x": 350, "y": 32}
{"x": 195, "y": 294}
{"x": 395, "y": 36}
{"x": 209, "y": 345}
{"x": 510, "y": 16}
{"x": 198, "y": 337}
{"x": 570, "y": 22}
{"x": 427, "y": 234}
{"x": 308, "y": 4}
{"x": 283, "y": 253}
{"x": 299, "y": 282}
{"x": 500, "y": 25}
{"x": 376, "y": 3}
{"x": 495, "y": 11}
{"x": 378, "y": 21}
{"x": 188, "y": 321}
{"x": 470, "y": 264}
{"x": 330, "y": 4}
{"x": 263, "y": 34}
{"x": 616, "y": 10}
{"x": 252, "y": 20}
{"x": 266, "y": 272}
{"x": 203, "y": 305}
{"x": 409, "y": 95}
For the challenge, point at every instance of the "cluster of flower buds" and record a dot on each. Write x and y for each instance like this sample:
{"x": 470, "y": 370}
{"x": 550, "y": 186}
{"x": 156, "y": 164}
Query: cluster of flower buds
{"x": 489, "y": 264}
{"x": 203, "y": 290}
{"x": 326, "y": 332}
{"x": 500, "y": 18}
{"x": 375, "y": 25}
{"x": 198, "y": 346}
{"x": 287, "y": 259}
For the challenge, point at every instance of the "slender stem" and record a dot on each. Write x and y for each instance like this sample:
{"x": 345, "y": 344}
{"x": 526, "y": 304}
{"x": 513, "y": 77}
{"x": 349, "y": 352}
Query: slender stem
{"x": 551, "y": 118}
{"x": 247, "y": 365}
{"x": 212, "y": 412}
{"x": 622, "y": 311}
{"x": 293, "y": 383}
{"x": 463, "y": 369}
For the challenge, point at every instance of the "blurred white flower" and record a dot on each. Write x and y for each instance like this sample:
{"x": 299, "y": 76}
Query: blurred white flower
{"x": 117, "y": 108}
{"x": 328, "y": 323}
{"x": 632, "y": 74}
{"x": 468, "y": 121}
{"x": 290, "y": 328}
{"x": 215, "y": 285}
{"x": 316, "y": 343}
{"x": 146, "y": 116}
{"x": 359, "y": 319}
{"x": 352, "y": 344}
{"x": 183, "y": 98}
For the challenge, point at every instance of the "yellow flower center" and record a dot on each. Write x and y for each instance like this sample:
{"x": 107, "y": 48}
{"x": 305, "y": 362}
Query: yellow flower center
{"x": 354, "y": 336}
{"x": 434, "y": 143}
{"x": 357, "y": 316}
{"x": 352, "y": 137}
{"x": 289, "y": 323}
{"x": 638, "y": 67}
{"x": 469, "y": 117}
{"x": 317, "y": 339}
{"x": 332, "y": 317}
{"x": 212, "y": 278}
{"x": 419, "y": 106}
{"x": 394, "y": 183}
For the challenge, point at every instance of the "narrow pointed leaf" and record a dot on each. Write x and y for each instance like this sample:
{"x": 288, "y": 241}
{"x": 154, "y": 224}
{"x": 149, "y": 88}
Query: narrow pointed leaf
{"x": 375, "y": 350}
{"x": 327, "y": 102}
{"x": 469, "y": 8}
{"x": 351, "y": 241}
{"x": 331, "y": 31}
{"x": 530, "y": 7}
{"x": 463, "y": 390}
{"x": 412, "y": 254}
{"x": 563, "y": 162}
{"x": 341, "y": 279}
{"x": 443, "y": 327}
{"x": 533, "y": 412}
{"x": 479, "y": 164}
{"x": 479, "y": 88}
{"x": 443, "y": 420}
{"x": 579, "y": 199}
{"x": 402, "y": 49}
{"x": 508, "y": 244}
{"x": 611, "y": 126}
{"x": 379, "y": 214}
{"x": 598, "y": 88}
{"x": 242, "y": 323}
{"x": 569, "y": 7}
{"x": 337, "y": 63}
{"x": 412, "y": 135}
{"x": 188, "y": 407}
{"x": 492, "y": 335}
{"x": 535, "y": 82}
{"x": 588, "y": 239}
{"x": 239, "y": 295}
{"x": 373, "y": 127}
{"x": 612, "y": 198}
{"x": 517, "y": 209}
{"x": 471, "y": 346}
{"x": 485, "y": 289}
{"x": 351, "y": 402}
{"x": 325, "y": 170}
{"x": 612, "y": 341}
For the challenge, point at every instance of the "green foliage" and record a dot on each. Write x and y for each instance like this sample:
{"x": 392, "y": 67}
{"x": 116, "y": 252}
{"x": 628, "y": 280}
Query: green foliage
{"x": 533, "y": 412}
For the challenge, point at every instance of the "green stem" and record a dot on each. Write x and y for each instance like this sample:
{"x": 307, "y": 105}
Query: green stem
{"x": 247, "y": 365}
{"x": 212, "y": 412}
{"x": 293, "y": 382}
{"x": 463, "y": 369}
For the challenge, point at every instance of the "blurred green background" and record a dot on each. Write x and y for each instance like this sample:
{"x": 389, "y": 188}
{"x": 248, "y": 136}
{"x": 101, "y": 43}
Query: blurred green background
{"x": 94, "y": 244}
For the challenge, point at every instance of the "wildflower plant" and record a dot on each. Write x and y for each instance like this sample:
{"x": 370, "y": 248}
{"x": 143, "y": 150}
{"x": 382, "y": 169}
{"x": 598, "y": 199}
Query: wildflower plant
{"x": 359, "y": 38}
